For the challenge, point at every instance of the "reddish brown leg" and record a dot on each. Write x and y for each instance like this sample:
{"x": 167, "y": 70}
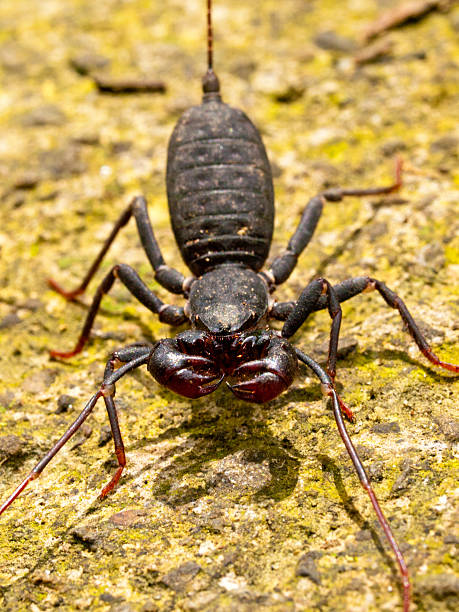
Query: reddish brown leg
{"x": 334, "y": 194}
{"x": 317, "y": 290}
{"x": 394, "y": 301}
{"x": 329, "y": 390}
{"x": 37, "y": 470}
{"x": 122, "y": 356}
{"x": 295, "y": 313}
{"x": 173, "y": 315}
{"x": 171, "y": 279}
{"x": 138, "y": 356}
{"x": 103, "y": 288}
{"x": 71, "y": 295}
{"x": 284, "y": 264}
{"x": 346, "y": 410}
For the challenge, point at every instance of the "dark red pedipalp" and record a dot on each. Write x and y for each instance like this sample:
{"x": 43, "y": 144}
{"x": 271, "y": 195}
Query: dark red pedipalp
{"x": 257, "y": 365}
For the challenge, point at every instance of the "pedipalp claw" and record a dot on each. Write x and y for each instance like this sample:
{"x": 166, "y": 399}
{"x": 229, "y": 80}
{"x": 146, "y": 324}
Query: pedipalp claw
{"x": 251, "y": 366}
{"x": 194, "y": 386}
{"x": 201, "y": 362}
{"x": 260, "y": 389}
{"x": 189, "y": 375}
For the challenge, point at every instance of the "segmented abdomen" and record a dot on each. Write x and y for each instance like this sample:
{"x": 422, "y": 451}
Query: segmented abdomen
{"x": 219, "y": 188}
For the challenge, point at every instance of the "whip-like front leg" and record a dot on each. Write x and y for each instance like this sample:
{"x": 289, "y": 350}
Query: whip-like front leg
{"x": 135, "y": 357}
{"x": 329, "y": 390}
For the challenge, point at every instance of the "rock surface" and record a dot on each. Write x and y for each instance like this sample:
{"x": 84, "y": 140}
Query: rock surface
{"x": 226, "y": 506}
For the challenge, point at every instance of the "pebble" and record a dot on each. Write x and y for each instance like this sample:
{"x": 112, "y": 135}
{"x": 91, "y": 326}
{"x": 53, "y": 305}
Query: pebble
{"x": 307, "y": 567}
{"x": 386, "y": 428}
{"x": 48, "y": 114}
{"x": 64, "y": 402}
{"x": 86, "y": 62}
{"x": 10, "y": 446}
{"x": 178, "y": 578}
{"x": 331, "y": 41}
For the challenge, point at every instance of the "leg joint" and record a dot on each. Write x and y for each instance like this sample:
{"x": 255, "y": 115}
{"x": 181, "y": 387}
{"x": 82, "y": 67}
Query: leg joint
{"x": 371, "y": 285}
{"x": 108, "y": 390}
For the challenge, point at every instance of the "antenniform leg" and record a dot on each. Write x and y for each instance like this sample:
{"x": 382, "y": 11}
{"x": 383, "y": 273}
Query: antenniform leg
{"x": 169, "y": 278}
{"x": 282, "y": 266}
{"x": 135, "y": 357}
{"x": 329, "y": 390}
{"x": 172, "y": 315}
{"x": 344, "y": 291}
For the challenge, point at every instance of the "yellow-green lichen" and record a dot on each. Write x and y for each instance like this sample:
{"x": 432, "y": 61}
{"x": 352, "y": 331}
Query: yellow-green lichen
{"x": 242, "y": 492}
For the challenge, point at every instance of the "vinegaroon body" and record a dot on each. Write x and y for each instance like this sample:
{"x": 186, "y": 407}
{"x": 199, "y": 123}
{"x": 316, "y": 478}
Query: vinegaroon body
{"x": 221, "y": 201}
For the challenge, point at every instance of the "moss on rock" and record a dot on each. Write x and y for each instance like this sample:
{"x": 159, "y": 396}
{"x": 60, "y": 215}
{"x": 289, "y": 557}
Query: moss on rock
{"x": 226, "y": 506}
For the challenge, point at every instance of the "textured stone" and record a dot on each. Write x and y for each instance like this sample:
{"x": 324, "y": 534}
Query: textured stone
{"x": 241, "y": 491}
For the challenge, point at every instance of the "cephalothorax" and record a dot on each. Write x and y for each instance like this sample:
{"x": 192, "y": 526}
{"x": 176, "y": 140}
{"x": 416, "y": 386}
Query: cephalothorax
{"x": 221, "y": 201}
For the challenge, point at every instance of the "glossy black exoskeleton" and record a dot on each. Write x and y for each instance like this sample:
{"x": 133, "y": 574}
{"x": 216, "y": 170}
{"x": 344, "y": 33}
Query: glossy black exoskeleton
{"x": 221, "y": 200}
{"x": 219, "y": 186}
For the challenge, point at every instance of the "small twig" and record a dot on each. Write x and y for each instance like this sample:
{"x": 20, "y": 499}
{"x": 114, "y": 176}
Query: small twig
{"x": 123, "y": 85}
{"x": 374, "y": 52}
{"x": 399, "y": 15}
